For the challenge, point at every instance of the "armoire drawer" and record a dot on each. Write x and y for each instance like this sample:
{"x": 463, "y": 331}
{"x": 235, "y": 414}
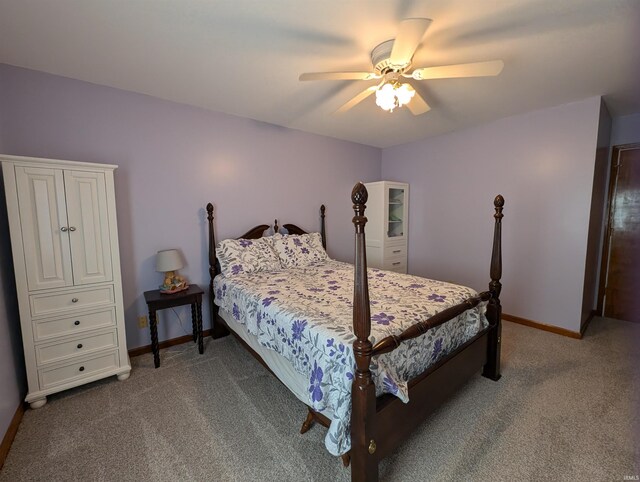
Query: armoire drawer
{"x": 44, "y": 304}
{"x": 90, "y": 343}
{"x": 399, "y": 265}
{"x": 50, "y": 377}
{"x": 73, "y": 324}
{"x": 395, "y": 251}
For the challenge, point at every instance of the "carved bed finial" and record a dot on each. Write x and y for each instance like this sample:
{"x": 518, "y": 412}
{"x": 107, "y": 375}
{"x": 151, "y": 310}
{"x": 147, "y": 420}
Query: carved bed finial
{"x": 209, "y": 211}
{"x": 275, "y": 226}
{"x": 498, "y": 203}
{"x": 359, "y": 194}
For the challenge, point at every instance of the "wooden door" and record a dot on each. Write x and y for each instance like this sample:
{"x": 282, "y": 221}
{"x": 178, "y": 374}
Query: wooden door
{"x": 622, "y": 291}
{"x": 43, "y": 217}
{"x": 88, "y": 226}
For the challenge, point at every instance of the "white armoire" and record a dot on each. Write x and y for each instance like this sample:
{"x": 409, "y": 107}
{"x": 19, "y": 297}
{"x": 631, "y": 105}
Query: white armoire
{"x": 64, "y": 239}
{"x": 387, "y": 227}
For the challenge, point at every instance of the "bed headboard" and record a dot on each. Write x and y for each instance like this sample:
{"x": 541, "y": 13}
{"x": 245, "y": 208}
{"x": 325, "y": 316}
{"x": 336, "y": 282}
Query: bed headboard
{"x": 254, "y": 233}
{"x": 258, "y": 231}
{"x": 293, "y": 229}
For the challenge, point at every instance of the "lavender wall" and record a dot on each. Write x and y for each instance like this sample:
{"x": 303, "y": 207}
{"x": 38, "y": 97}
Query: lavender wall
{"x": 543, "y": 164}
{"x": 173, "y": 160}
{"x": 625, "y": 130}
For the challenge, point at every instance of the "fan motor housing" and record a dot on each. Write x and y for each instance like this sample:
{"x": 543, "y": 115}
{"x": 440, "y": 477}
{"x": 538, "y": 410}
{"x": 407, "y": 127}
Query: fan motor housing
{"x": 380, "y": 59}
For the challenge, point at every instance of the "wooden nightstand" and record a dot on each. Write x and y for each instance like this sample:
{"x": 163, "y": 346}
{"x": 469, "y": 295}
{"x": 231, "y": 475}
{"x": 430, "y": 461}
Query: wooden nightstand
{"x": 159, "y": 301}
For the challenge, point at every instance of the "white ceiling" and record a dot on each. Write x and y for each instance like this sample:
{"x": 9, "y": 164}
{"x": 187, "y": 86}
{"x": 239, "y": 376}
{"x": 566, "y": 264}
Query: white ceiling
{"x": 243, "y": 57}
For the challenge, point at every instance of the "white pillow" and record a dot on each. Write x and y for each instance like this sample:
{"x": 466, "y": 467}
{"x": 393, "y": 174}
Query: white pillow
{"x": 243, "y": 256}
{"x": 297, "y": 251}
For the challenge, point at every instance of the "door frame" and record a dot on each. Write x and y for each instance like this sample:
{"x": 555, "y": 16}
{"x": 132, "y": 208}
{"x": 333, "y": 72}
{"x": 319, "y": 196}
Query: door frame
{"x": 604, "y": 263}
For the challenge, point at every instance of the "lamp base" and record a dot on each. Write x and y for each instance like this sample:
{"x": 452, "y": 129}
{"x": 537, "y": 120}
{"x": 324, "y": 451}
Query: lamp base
{"x": 173, "y": 283}
{"x": 174, "y": 290}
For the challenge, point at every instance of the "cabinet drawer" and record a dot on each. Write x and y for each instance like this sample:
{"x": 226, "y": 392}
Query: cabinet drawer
{"x": 50, "y": 377}
{"x": 398, "y": 265}
{"x": 395, "y": 251}
{"x": 70, "y": 325}
{"x": 51, "y": 304}
{"x": 89, "y": 343}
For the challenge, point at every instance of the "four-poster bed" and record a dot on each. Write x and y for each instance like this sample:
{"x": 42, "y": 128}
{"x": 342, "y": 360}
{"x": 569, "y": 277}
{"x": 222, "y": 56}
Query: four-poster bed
{"x": 378, "y": 421}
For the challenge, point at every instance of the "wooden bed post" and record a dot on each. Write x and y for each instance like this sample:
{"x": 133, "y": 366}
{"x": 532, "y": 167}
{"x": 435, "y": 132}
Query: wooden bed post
{"x": 217, "y": 329}
{"x": 323, "y": 233}
{"x": 364, "y": 462}
{"x": 494, "y": 309}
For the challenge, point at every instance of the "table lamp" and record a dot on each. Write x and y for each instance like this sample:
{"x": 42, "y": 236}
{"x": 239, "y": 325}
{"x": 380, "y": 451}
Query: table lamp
{"x": 169, "y": 261}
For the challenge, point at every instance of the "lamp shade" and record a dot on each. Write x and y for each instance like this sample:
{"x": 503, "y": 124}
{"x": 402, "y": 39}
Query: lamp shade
{"x": 169, "y": 260}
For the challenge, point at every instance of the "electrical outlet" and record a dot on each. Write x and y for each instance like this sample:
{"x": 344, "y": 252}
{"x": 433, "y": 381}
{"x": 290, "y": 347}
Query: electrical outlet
{"x": 142, "y": 321}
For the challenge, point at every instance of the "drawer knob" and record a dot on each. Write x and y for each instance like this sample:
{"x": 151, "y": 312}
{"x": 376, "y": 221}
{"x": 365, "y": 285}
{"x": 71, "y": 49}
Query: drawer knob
{"x": 81, "y": 369}
{"x": 396, "y": 264}
{"x": 64, "y": 229}
{"x": 79, "y": 345}
{"x": 77, "y": 322}
{"x": 397, "y": 251}
{"x": 74, "y": 300}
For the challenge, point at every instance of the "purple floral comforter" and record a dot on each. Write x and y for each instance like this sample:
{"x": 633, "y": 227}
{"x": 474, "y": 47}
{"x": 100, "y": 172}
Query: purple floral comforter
{"x": 305, "y": 314}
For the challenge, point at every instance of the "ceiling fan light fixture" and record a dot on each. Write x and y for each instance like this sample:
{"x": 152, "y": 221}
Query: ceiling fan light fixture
{"x": 392, "y": 61}
{"x": 392, "y": 95}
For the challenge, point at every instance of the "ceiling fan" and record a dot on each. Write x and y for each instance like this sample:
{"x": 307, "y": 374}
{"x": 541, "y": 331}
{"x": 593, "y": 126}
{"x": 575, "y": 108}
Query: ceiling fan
{"x": 392, "y": 62}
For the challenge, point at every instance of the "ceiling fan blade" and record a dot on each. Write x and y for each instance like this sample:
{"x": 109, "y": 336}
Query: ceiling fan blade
{"x": 418, "y": 105}
{"x": 357, "y": 99}
{"x": 409, "y": 36}
{"x": 339, "y": 76}
{"x": 476, "y": 69}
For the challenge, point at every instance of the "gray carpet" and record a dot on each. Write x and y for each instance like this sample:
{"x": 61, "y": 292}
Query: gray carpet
{"x": 564, "y": 410}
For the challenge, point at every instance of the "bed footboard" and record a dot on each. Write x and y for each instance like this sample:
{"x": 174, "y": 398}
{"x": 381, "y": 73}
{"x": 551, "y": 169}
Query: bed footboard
{"x": 390, "y": 421}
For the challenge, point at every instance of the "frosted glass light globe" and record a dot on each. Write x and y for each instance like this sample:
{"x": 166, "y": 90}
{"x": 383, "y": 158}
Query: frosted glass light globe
{"x": 404, "y": 94}
{"x": 386, "y": 97}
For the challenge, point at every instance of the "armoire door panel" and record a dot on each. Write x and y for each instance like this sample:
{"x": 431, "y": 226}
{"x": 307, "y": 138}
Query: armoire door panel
{"x": 41, "y": 202}
{"x": 88, "y": 226}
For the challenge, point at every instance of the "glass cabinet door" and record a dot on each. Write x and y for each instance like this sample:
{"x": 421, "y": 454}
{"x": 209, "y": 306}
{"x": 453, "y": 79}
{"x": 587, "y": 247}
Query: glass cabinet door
{"x": 396, "y": 209}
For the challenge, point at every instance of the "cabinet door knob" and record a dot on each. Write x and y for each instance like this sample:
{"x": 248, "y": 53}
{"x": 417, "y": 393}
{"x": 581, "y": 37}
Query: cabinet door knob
{"x": 79, "y": 345}
{"x": 81, "y": 369}
{"x": 77, "y": 322}
{"x": 74, "y": 300}
{"x": 72, "y": 228}
{"x": 64, "y": 229}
